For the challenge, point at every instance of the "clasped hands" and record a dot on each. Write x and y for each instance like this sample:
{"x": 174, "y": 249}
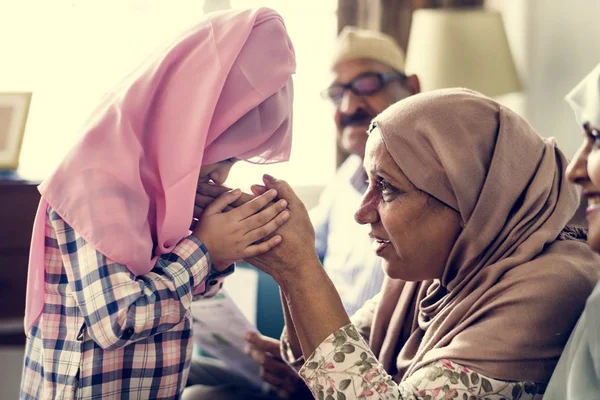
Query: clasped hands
{"x": 289, "y": 245}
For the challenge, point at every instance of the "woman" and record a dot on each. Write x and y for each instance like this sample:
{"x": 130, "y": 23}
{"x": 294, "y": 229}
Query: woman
{"x": 113, "y": 266}
{"x": 577, "y": 375}
{"x": 467, "y": 207}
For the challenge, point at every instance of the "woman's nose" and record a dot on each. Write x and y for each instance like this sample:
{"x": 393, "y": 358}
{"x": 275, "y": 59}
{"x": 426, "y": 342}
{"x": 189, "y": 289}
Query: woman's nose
{"x": 577, "y": 168}
{"x": 367, "y": 211}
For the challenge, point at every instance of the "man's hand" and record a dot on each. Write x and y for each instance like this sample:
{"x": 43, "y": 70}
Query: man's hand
{"x": 284, "y": 379}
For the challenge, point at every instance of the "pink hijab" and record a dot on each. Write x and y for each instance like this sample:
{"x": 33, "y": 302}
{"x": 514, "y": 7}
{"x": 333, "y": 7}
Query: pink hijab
{"x": 222, "y": 89}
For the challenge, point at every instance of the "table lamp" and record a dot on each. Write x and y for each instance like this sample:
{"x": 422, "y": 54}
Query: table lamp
{"x": 454, "y": 47}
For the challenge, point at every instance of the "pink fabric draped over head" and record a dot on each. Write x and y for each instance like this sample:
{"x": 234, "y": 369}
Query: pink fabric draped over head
{"x": 513, "y": 285}
{"x": 222, "y": 89}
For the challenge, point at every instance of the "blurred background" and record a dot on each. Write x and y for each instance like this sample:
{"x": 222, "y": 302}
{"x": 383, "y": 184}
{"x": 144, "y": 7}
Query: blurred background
{"x": 68, "y": 53}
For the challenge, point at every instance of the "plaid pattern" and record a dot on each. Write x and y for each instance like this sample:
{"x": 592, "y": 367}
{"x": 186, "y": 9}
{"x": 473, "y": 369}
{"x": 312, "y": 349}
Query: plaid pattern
{"x": 105, "y": 333}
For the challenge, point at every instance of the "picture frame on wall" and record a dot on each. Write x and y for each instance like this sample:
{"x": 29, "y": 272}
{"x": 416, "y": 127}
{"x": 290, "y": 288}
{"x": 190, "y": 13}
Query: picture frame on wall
{"x": 14, "y": 109}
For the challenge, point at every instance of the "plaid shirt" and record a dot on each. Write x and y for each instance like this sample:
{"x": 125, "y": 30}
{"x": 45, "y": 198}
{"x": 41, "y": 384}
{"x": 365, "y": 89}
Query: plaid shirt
{"x": 106, "y": 333}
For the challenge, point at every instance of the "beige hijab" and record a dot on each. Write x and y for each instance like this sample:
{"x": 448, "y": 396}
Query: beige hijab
{"x": 514, "y": 283}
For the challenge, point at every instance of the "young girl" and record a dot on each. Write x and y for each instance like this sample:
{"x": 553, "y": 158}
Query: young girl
{"x": 113, "y": 266}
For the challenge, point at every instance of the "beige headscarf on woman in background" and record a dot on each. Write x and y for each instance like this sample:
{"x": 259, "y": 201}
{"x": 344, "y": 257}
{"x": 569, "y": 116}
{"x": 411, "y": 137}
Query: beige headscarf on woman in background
{"x": 513, "y": 285}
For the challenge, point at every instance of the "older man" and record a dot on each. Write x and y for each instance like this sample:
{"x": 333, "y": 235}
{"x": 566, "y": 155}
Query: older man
{"x": 368, "y": 76}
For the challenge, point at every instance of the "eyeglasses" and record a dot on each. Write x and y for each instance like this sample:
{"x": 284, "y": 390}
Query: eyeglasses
{"x": 363, "y": 85}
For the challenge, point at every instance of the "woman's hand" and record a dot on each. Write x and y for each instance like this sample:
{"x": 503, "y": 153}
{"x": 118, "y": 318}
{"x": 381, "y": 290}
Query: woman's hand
{"x": 297, "y": 248}
{"x": 313, "y": 304}
{"x": 233, "y": 235}
{"x": 273, "y": 370}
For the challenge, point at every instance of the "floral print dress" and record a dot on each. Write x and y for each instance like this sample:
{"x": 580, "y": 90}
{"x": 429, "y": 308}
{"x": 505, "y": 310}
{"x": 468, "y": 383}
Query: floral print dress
{"x": 344, "y": 367}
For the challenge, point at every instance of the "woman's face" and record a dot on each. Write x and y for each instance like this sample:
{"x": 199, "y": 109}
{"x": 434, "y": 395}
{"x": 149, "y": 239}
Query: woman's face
{"x": 584, "y": 171}
{"x": 216, "y": 172}
{"x": 413, "y": 232}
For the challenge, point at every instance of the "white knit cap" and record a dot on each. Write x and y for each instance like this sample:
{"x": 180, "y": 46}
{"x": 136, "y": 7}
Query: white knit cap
{"x": 585, "y": 99}
{"x": 355, "y": 43}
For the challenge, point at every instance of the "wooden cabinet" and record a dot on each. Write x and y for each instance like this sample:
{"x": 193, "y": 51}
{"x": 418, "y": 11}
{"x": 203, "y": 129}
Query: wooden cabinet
{"x": 18, "y": 204}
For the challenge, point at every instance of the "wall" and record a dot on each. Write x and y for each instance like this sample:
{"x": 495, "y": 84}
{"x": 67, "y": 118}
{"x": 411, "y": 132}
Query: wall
{"x": 555, "y": 44}
{"x": 65, "y": 54}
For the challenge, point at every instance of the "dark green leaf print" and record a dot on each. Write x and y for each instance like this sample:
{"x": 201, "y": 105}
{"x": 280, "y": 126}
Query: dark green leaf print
{"x": 341, "y": 396}
{"x": 339, "y": 357}
{"x": 516, "y": 391}
{"x": 351, "y": 331}
{"x": 464, "y": 378}
{"x": 427, "y": 397}
{"x": 446, "y": 388}
{"x": 475, "y": 378}
{"x": 348, "y": 348}
{"x": 329, "y": 397}
{"x": 345, "y": 383}
{"x": 339, "y": 334}
{"x": 312, "y": 365}
{"x": 447, "y": 373}
{"x": 340, "y": 338}
{"x": 530, "y": 388}
{"x": 321, "y": 395}
{"x": 367, "y": 365}
{"x": 363, "y": 356}
{"x": 486, "y": 385}
{"x": 329, "y": 390}
{"x": 465, "y": 396}
{"x": 358, "y": 363}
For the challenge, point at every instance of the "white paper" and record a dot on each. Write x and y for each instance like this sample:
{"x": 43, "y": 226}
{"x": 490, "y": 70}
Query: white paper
{"x": 242, "y": 287}
{"x": 219, "y": 328}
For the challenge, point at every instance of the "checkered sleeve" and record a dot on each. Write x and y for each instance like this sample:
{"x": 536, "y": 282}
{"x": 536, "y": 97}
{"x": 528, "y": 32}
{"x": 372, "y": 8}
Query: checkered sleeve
{"x": 120, "y": 308}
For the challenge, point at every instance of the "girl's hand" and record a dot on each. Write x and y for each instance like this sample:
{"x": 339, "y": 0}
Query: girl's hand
{"x": 206, "y": 193}
{"x": 232, "y": 235}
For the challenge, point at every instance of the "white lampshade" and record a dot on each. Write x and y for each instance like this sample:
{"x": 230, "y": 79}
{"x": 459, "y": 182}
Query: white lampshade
{"x": 461, "y": 48}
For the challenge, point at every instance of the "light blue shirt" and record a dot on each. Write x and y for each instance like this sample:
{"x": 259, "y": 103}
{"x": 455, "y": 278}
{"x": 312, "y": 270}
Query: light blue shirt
{"x": 577, "y": 375}
{"x": 344, "y": 245}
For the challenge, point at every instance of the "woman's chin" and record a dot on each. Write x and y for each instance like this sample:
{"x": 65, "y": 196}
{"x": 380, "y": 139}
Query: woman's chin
{"x": 395, "y": 271}
{"x": 408, "y": 271}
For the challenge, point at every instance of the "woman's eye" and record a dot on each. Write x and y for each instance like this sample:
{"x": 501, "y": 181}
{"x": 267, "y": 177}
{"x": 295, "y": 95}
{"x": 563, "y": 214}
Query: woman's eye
{"x": 385, "y": 187}
{"x": 595, "y": 138}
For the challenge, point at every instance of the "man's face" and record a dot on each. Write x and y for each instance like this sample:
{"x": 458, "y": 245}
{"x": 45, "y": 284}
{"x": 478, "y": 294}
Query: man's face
{"x": 354, "y": 113}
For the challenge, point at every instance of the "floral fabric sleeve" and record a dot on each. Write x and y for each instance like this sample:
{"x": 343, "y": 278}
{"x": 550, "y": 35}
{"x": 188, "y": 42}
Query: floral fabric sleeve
{"x": 343, "y": 367}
